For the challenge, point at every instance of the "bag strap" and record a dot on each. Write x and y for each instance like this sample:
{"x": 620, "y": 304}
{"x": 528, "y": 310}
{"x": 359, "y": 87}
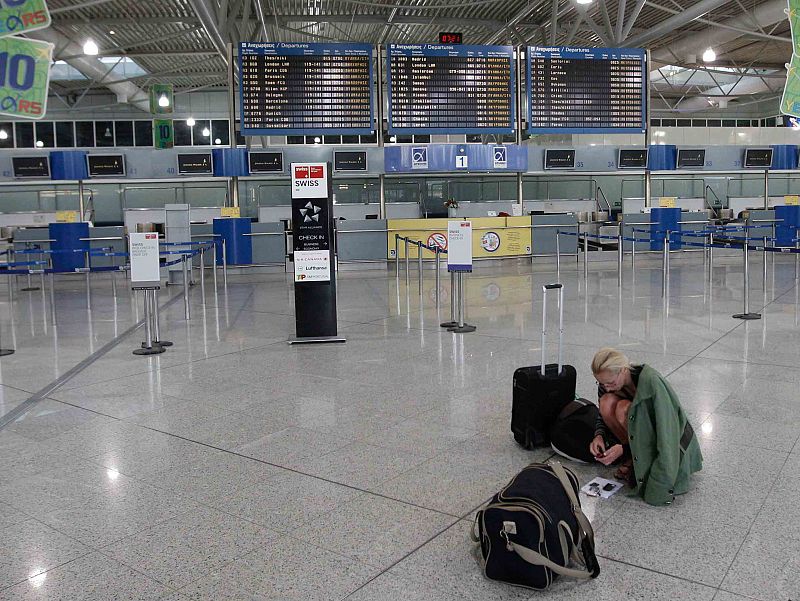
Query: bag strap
{"x": 586, "y": 532}
{"x": 571, "y": 408}
{"x": 537, "y": 559}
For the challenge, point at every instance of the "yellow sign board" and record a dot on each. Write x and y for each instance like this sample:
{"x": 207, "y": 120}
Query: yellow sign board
{"x": 666, "y": 202}
{"x": 791, "y": 199}
{"x": 491, "y": 236}
{"x": 230, "y": 212}
{"x": 67, "y": 216}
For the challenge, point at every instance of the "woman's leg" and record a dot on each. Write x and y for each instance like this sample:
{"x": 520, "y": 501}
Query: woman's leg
{"x": 614, "y": 411}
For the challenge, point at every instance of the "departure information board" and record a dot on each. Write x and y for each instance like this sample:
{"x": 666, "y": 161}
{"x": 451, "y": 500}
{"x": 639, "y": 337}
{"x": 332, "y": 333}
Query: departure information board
{"x": 437, "y": 89}
{"x": 587, "y": 90}
{"x": 305, "y": 89}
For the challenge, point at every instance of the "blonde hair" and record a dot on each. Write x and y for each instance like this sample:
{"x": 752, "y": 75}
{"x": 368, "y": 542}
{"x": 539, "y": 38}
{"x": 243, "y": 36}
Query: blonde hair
{"x": 609, "y": 359}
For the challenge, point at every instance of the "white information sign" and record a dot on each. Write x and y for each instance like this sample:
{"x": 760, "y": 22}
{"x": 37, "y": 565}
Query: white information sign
{"x": 144, "y": 258}
{"x": 459, "y": 246}
{"x": 309, "y": 180}
{"x": 312, "y": 266}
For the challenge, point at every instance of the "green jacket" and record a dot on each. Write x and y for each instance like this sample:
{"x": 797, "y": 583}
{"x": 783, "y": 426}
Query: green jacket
{"x": 663, "y": 444}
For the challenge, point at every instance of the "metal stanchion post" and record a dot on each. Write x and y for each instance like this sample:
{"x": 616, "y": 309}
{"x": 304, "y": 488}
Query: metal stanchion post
{"x": 224, "y": 264}
{"x": 558, "y": 255}
{"x": 408, "y": 280}
{"x": 797, "y": 256}
{"x": 585, "y": 257}
{"x": 664, "y": 265}
{"x": 215, "y": 271}
{"x": 453, "y": 292}
{"x": 764, "y": 275}
{"x": 397, "y": 258}
{"x": 186, "y": 310}
{"x": 202, "y": 275}
{"x": 419, "y": 265}
{"x": 148, "y": 347}
{"x": 710, "y": 256}
{"x": 53, "y": 297}
{"x": 461, "y": 327}
{"x": 633, "y": 252}
{"x": 747, "y": 314}
{"x": 157, "y": 321}
{"x": 438, "y": 275}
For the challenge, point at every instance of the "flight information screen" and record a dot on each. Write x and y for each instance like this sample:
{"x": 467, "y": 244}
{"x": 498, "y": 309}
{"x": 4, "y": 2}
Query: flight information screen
{"x": 298, "y": 89}
{"x": 586, "y": 90}
{"x": 435, "y": 89}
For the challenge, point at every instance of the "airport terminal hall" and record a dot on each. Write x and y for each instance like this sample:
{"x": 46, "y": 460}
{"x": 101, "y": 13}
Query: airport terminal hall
{"x": 400, "y": 300}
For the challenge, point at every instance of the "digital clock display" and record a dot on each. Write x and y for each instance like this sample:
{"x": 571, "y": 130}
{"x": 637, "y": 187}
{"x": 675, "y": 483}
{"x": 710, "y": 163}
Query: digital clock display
{"x": 450, "y": 37}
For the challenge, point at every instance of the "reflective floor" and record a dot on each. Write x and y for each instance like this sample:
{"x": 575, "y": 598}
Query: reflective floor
{"x": 235, "y": 466}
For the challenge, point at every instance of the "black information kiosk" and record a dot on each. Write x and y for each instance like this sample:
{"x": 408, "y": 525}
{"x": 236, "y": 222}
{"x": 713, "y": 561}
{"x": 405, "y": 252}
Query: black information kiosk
{"x": 312, "y": 243}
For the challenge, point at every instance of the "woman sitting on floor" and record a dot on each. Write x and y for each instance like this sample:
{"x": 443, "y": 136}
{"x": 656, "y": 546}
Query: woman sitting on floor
{"x": 643, "y": 424}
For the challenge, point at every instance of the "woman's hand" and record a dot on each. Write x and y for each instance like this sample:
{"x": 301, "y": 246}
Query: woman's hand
{"x": 597, "y": 447}
{"x": 611, "y": 455}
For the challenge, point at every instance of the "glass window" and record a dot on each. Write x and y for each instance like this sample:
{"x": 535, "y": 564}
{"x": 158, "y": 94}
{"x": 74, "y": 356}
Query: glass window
{"x": 714, "y": 122}
{"x": 104, "y": 133}
{"x": 313, "y": 139}
{"x": 45, "y": 135}
{"x": 219, "y": 132}
{"x": 655, "y": 122}
{"x": 84, "y": 133}
{"x": 65, "y": 134}
{"x": 201, "y": 133}
{"x": 684, "y": 122}
{"x": 332, "y": 139}
{"x": 698, "y": 123}
{"x": 240, "y": 140}
{"x": 426, "y": 139}
{"x": 369, "y": 139}
{"x": 24, "y": 134}
{"x": 183, "y": 134}
{"x": 6, "y": 135}
{"x": 729, "y": 123}
{"x": 754, "y": 123}
{"x": 123, "y": 133}
{"x": 770, "y": 122}
{"x": 295, "y": 140}
{"x": 743, "y": 123}
{"x": 473, "y": 139}
{"x": 668, "y": 123}
{"x": 144, "y": 132}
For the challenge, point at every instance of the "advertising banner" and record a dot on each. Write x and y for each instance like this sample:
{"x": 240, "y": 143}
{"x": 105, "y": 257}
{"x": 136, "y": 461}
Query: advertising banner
{"x": 23, "y": 16}
{"x": 163, "y": 133}
{"x": 24, "y": 77}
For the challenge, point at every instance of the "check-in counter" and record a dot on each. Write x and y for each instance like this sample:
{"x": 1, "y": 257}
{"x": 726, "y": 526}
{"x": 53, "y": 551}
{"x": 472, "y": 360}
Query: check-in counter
{"x": 197, "y": 215}
{"x": 545, "y": 229}
{"x": 27, "y": 219}
{"x": 111, "y": 238}
{"x": 355, "y": 210}
{"x": 362, "y": 240}
{"x": 737, "y": 204}
{"x": 564, "y": 205}
{"x": 269, "y": 244}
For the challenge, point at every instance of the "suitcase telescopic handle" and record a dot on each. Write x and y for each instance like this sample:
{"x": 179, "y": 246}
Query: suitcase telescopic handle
{"x": 545, "y": 288}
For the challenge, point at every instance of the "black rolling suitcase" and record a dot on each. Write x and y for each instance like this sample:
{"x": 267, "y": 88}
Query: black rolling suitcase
{"x": 542, "y": 391}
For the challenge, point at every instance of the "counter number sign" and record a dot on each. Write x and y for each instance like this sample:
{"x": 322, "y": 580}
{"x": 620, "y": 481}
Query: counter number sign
{"x": 24, "y": 77}
{"x": 163, "y": 133}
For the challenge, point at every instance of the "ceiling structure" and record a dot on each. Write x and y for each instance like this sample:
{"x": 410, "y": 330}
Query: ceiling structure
{"x": 183, "y": 42}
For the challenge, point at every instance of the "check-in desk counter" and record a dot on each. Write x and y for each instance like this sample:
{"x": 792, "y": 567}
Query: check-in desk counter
{"x": 27, "y": 219}
{"x": 690, "y": 221}
{"x": 746, "y": 203}
{"x": 362, "y": 240}
{"x": 763, "y": 221}
{"x": 197, "y": 215}
{"x": 269, "y": 243}
{"x": 28, "y": 238}
{"x": 274, "y": 213}
{"x": 111, "y": 239}
{"x": 565, "y": 205}
{"x": 484, "y": 209}
{"x": 545, "y": 228}
{"x": 355, "y": 210}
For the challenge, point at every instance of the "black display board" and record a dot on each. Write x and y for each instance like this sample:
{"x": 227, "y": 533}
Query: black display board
{"x": 195, "y": 163}
{"x": 314, "y": 262}
{"x": 350, "y": 160}
{"x": 691, "y": 157}
{"x": 632, "y": 158}
{"x": 30, "y": 166}
{"x": 758, "y": 157}
{"x": 559, "y": 158}
{"x": 305, "y": 89}
{"x": 436, "y": 89}
{"x": 265, "y": 162}
{"x": 587, "y": 90}
{"x": 106, "y": 164}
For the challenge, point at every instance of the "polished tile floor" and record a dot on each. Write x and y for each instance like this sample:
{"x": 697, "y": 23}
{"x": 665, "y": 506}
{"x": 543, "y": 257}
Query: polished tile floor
{"x": 237, "y": 467}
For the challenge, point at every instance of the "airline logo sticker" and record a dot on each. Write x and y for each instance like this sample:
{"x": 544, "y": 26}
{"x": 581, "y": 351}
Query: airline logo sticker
{"x": 309, "y": 181}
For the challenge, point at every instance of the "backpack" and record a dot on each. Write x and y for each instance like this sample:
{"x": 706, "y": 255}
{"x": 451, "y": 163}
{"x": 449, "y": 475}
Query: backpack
{"x": 573, "y": 430}
{"x": 533, "y": 527}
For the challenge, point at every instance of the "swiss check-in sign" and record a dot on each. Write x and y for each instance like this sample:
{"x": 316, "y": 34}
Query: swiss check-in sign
{"x": 309, "y": 181}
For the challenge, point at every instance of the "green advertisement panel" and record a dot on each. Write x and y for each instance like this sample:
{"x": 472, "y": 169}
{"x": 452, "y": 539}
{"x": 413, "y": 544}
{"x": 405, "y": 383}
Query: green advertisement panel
{"x": 22, "y": 16}
{"x": 794, "y": 23}
{"x": 790, "y": 102}
{"x": 161, "y": 99}
{"x": 24, "y": 77}
{"x": 163, "y": 133}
